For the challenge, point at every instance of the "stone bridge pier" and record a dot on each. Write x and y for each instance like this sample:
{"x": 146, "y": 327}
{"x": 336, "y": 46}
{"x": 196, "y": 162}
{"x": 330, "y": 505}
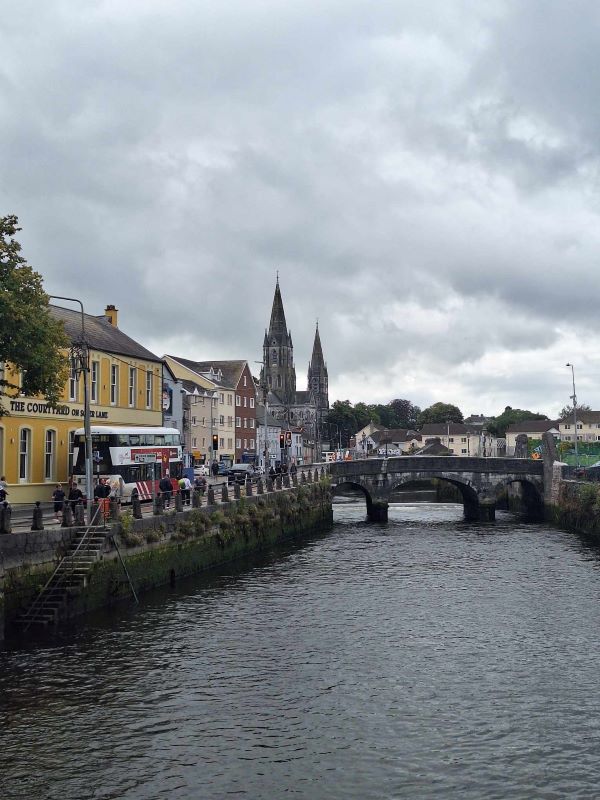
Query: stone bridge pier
{"x": 481, "y": 481}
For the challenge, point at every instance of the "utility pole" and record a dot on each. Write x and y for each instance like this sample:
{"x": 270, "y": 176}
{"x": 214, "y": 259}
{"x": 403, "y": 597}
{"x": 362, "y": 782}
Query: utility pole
{"x": 574, "y": 399}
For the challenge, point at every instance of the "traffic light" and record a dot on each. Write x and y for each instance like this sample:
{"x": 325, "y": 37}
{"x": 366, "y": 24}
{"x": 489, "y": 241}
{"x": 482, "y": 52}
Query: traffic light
{"x": 215, "y": 441}
{"x": 282, "y": 440}
{"x": 288, "y": 438}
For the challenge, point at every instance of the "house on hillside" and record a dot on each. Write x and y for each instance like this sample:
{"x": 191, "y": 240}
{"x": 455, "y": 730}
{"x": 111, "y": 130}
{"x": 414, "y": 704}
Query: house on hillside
{"x": 534, "y": 429}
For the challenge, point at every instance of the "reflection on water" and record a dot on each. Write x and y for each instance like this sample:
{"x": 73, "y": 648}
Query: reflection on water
{"x": 425, "y": 658}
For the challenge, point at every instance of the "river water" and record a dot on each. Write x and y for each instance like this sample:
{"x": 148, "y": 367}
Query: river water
{"x": 429, "y": 658}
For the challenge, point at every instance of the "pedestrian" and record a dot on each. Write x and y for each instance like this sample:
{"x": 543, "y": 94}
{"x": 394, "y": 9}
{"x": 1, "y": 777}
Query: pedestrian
{"x": 58, "y": 496}
{"x": 293, "y": 468}
{"x": 166, "y": 488}
{"x": 101, "y": 495}
{"x": 214, "y": 469}
{"x": 185, "y": 487}
{"x": 200, "y": 484}
{"x": 272, "y": 472}
{"x": 3, "y": 490}
{"x": 75, "y": 496}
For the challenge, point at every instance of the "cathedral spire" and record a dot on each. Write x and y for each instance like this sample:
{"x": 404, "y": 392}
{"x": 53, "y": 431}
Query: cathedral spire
{"x": 277, "y": 325}
{"x": 317, "y": 359}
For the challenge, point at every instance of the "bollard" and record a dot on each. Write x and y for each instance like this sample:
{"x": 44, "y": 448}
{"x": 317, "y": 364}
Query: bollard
{"x": 5, "y": 515}
{"x": 302, "y": 478}
{"x": 136, "y": 507}
{"x": 210, "y": 497}
{"x": 178, "y": 501}
{"x": 237, "y": 493}
{"x": 114, "y": 509}
{"x": 294, "y": 480}
{"x": 309, "y": 477}
{"x": 286, "y": 481}
{"x": 157, "y": 507}
{"x": 248, "y": 488}
{"x": 37, "y": 523}
{"x": 67, "y": 516}
{"x": 79, "y": 516}
{"x": 269, "y": 484}
{"x": 259, "y": 486}
{"x": 196, "y": 499}
{"x": 224, "y": 493}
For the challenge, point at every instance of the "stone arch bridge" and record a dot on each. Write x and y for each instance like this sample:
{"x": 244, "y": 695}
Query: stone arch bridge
{"x": 480, "y": 480}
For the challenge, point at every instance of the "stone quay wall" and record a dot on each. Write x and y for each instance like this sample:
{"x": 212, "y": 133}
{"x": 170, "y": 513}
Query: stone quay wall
{"x": 158, "y": 550}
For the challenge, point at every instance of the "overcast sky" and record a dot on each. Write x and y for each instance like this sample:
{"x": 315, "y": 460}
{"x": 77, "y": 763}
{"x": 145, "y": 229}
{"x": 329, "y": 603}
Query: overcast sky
{"x": 424, "y": 175}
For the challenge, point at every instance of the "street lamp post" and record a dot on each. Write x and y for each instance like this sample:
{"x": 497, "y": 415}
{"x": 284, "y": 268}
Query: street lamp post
{"x": 574, "y": 399}
{"x": 85, "y": 369}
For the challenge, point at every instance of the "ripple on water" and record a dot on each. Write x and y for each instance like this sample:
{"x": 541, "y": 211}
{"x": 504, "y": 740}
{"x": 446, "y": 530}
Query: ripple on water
{"x": 426, "y": 658}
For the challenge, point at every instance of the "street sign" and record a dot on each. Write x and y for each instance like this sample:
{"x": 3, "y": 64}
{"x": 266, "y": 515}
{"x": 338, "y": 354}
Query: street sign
{"x": 145, "y": 458}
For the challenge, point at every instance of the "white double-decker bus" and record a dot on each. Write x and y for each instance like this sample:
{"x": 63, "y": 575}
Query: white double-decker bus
{"x": 123, "y": 454}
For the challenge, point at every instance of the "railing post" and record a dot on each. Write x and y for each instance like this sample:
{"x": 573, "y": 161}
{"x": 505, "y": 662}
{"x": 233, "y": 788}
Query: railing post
{"x": 224, "y": 493}
{"x": 259, "y": 486}
{"x": 79, "y": 516}
{"x": 210, "y": 496}
{"x": 67, "y": 515}
{"x": 249, "y": 488}
{"x": 178, "y": 501}
{"x": 136, "y": 507}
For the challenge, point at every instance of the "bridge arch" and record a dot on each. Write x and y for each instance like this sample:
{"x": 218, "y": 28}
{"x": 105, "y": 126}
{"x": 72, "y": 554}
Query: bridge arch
{"x": 468, "y": 491}
{"x": 532, "y": 496}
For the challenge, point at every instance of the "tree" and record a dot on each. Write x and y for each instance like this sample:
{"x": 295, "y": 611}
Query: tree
{"x": 30, "y": 339}
{"x": 440, "y": 412}
{"x": 510, "y": 416}
{"x": 567, "y": 411}
{"x": 407, "y": 414}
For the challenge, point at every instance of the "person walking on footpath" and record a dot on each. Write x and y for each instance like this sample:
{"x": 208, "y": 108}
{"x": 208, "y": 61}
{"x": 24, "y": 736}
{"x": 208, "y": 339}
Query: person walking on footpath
{"x": 75, "y": 496}
{"x": 3, "y": 490}
{"x": 101, "y": 495}
{"x": 58, "y": 497}
{"x": 185, "y": 487}
{"x": 166, "y": 488}
{"x": 214, "y": 469}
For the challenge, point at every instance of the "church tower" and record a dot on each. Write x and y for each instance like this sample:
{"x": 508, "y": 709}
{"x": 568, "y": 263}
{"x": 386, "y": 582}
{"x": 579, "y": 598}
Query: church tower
{"x": 278, "y": 370}
{"x": 318, "y": 380}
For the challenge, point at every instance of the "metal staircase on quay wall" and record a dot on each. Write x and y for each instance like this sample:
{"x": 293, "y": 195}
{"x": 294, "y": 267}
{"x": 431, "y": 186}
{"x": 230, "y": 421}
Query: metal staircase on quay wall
{"x": 67, "y": 580}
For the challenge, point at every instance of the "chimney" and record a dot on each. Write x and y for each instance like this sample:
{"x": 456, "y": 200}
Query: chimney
{"x": 112, "y": 315}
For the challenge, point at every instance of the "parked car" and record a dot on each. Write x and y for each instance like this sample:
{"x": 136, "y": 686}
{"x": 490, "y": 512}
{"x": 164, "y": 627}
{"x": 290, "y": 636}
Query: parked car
{"x": 223, "y": 468}
{"x": 238, "y": 473}
{"x": 201, "y": 471}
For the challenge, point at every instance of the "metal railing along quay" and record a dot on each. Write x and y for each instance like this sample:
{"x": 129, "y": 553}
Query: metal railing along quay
{"x": 25, "y": 517}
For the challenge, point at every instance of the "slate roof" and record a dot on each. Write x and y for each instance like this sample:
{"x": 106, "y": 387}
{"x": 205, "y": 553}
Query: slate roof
{"x": 435, "y": 448}
{"x": 442, "y": 429}
{"x": 100, "y": 334}
{"x": 231, "y": 370}
{"x": 394, "y": 435}
{"x": 533, "y": 426}
{"x": 582, "y": 416}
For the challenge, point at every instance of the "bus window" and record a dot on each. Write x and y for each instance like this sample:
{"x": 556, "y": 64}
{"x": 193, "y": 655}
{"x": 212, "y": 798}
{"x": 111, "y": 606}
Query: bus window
{"x": 134, "y": 440}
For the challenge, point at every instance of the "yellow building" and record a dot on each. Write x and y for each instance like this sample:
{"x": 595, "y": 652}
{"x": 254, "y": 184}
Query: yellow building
{"x": 36, "y": 441}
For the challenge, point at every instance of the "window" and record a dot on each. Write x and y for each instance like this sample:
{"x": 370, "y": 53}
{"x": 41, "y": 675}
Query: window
{"x": 463, "y": 439}
{"x": 245, "y": 443}
{"x": 279, "y": 381}
{"x": 251, "y": 402}
{"x": 95, "y": 377}
{"x": 203, "y": 442}
{"x": 194, "y": 442}
{"x": 70, "y": 453}
{"x": 229, "y": 400}
{"x": 451, "y": 450}
{"x": 149, "y": 391}
{"x": 238, "y": 400}
{"x": 132, "y": 382}
{"x": 24, "y": 453}
{"x": 464, "y": 451}
{"x": 251, "y": 422}
{"x": 451, "y": 439}
{"x": 229, "y": 422}
{"x": 238, "y": 422}
{"x": 73, "y": 384}
{"x": 579, "y": 426}
{"x": 49, "y": 455}
{"x": 193, "y": 420}
{"x": 221, "y": 397}
{"x": 245, "y": 402}
{"x": 221, "y": 420}
{"x": 229, "y": 444}
{"x": 245, "y": 381}
{"x": 251, "y": 444}
{"x": 238, "y": 443}
{"x": 274, "y": 357}
{"x": 114, "y": 384}
{"x": 221, "y": 443}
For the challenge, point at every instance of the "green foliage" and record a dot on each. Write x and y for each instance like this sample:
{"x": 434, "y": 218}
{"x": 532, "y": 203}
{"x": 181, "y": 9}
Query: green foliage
{"x": 567, "y": 411}
{"x": 440, "y": 412}
{"x": 344, "y": 419}
{"x": 510, "y": 416}
{"x": 30, "y": 339}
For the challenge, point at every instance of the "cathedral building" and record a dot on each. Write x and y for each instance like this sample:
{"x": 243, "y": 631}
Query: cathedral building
{"x": 293, "y": 408}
